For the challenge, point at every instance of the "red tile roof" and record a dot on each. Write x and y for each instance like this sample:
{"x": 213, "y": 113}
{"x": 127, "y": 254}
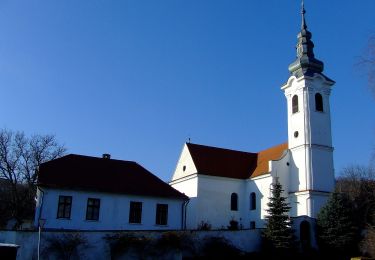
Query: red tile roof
{"x": 80, "y": 172}
{"x": 233, "y": 164}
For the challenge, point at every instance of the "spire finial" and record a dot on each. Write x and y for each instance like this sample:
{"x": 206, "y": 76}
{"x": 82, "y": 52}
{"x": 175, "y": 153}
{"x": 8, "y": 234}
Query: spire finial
{"x": 306, "y": 63}
{"x": 303, "y": 11}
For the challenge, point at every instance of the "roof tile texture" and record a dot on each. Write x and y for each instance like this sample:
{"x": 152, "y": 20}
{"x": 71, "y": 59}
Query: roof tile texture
{"x": 233, "y": 164}
{"x": 80, "y": 172}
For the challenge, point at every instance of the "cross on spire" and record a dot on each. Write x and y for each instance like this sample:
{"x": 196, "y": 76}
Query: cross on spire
{"x": 306, "y": 63}
{"x": 303, "y": 24}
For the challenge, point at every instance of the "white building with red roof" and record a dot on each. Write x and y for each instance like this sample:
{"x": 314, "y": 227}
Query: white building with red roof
{"x": 225, "y": 185}
{"x": 77, "y": 192}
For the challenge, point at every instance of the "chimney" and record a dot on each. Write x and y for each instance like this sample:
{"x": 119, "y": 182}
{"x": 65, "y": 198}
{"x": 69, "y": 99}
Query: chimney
{"x": 106, "y": 156}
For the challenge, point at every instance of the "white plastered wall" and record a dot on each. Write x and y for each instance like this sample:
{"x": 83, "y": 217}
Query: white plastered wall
{"x": 185, "y": 165}
{"x": 113, "y": 215}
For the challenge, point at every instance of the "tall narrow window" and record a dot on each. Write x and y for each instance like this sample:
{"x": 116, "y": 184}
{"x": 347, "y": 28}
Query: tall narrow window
{"x": 161, "y": 214}
{"x": 295, "y": 104}
{"x": 135, "y": 212}
{"x": 318, "y": 102}
{"x": 64, "y": 207}
{"x": 253, "y": 201}
{"x": 93, "y": 207}
{"x": 234, "y": 202}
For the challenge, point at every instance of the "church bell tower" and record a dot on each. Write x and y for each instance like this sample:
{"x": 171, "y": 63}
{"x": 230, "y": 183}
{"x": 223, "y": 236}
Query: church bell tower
{"x": 309, "y": 129}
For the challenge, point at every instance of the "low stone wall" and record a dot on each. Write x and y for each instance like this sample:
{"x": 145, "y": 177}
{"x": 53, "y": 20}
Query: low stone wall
{"x": 97, "y": 246}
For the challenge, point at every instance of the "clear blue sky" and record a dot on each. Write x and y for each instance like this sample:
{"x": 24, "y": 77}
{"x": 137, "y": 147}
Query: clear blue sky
{"x": 137, "y": 78}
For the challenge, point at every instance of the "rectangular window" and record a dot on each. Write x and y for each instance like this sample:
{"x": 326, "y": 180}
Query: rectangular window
{"x": 161, "y": 214}
{"x": 135, "y": 213}
{"x": 93, "y": 207}
{"x": 64, "y": 207}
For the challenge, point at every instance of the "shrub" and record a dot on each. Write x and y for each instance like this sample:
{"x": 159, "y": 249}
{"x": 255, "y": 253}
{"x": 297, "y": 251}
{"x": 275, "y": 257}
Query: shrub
{"x": 219, "y": 247}
{"x": 233, "y": 225}
{"x": 65, "y": 246}
{"x": 204, "y": 225}
{"x": 122, "y": 243}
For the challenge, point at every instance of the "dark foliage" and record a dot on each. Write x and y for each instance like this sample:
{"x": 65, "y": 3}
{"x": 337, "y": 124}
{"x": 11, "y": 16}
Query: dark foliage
{"x": 66, "y": 246}
{"x": 124, "y": 242}
{"x": 204, "y": 225}
{"x": 368, "y": 243}
{"x": 337, "y": 231}
{"x": 278, "y": 233}
{"x": 219, "y": 248}
{"x": 233, "y": 225}
{"x": 172, "y": 241}
{"x": 358, "y": 182}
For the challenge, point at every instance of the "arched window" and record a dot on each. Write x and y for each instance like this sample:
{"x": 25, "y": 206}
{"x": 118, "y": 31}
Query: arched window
{"x": 253, "y": 201}
{"x": 318, "y": 102}
{"x": 234, "y": 202}
{"x": 304, "y": 234}
{"x": 295, "y": 104}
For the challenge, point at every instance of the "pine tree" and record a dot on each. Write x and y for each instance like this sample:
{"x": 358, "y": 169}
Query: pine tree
{"x": 278, "y": 233}
{"x": 336, "y": 227}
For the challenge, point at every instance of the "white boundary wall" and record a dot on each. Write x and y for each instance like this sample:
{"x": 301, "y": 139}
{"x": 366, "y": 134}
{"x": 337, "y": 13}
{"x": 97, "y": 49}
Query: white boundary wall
{"x": 98, "y": 248}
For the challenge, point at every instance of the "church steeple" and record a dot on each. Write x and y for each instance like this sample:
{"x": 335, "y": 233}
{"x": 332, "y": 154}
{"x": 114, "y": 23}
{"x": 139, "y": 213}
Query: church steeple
{"x": 305, "y": 64}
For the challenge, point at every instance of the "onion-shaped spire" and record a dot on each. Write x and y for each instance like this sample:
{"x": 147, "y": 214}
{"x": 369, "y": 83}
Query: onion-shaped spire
{"x": 305, "y": 64}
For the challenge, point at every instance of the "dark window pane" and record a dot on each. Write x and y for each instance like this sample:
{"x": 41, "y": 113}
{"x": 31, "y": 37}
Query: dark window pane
{"x": 93, "y": 208}
{"x": 161, "y": 214}
{"x": 234, "y": 202}
{"x": 318, "y": 102}
{"x": 295, "y": 104}
{"x": 64, "y": 207}
{"x": 135, "y": 212}
{"x": 253, "y": 201}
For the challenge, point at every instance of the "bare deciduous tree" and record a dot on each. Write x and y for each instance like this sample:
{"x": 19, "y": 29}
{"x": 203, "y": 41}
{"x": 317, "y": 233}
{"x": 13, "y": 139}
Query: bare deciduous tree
{"x": 368, "y": 243}
{"x": 20, "y": 158}
{"x": 358, "y": 182}
{"x": 368, "y": 62}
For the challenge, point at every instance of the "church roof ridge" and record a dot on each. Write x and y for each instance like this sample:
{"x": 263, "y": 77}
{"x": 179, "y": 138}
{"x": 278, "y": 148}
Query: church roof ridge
{"x": 222, "y": 162}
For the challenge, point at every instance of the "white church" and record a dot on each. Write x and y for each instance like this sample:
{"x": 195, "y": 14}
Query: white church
{"x": 225, "y": 185}
{"x": 211, "y": 186}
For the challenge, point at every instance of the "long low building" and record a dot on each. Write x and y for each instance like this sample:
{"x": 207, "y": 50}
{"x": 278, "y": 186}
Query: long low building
{"x": 77, "y": 192}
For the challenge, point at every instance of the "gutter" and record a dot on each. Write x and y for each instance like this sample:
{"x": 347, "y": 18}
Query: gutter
{"x": 40, "y": 204}
{"x": 183, "y": 214}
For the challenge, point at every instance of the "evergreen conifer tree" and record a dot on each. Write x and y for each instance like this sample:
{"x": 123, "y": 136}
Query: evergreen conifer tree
{"x": 336, "y": 227}
{"x": 278, "y": 233}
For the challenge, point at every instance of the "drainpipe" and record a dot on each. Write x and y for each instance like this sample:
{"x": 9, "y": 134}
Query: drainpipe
{"x": 183, "y": 214}
{"x": 40, "y": 220}
{"x": 40, "y": 204}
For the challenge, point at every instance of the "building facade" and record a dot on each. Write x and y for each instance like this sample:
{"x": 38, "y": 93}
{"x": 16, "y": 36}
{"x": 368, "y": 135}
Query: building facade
{"x": 78, "y": 192}
{"x": 225, "y": 185}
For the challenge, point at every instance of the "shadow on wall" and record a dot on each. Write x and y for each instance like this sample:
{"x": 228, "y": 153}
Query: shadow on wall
{"x": 294, "y": 183}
